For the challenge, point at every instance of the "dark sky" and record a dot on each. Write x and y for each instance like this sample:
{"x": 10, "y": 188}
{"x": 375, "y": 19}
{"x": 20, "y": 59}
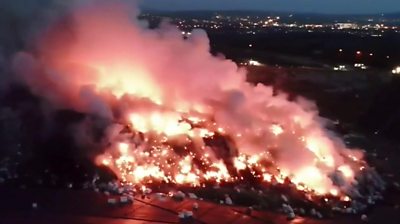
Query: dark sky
{"x": 320, "y": 6}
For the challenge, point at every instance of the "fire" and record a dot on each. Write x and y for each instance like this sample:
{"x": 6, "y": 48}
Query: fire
{"x": 167, "y": 123}
{"x": 276, "y": 129}
{"x": 180, "y": 115}
{"x": 347, "y": 171}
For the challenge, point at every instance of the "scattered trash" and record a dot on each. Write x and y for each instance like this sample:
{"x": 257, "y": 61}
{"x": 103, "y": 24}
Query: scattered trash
{"x": 120, "y": 190}
{"x": 147, "y": 191}
{"x": 179, "y": 196}
{"x": 313, "y": 212}
{"x": 185, "y": 215}
{"x": 237, "y": 190}
{"x": 124, "y": 200}
{"x": 284, "y": 198}
{"x": 291, "y": 216}
{"x": 364, "y": 217}
{"x": 112, "y": 201}
{"x": 228, "y": 200}
{"x": 192, "y": 196}
{"x": 161, "y": 196}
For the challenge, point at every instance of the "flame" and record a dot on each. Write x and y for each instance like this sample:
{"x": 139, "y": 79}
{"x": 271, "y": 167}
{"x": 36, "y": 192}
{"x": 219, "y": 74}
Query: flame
{"x": 347, "y": 171}
{"x": 191, "y": 117}
{"x": 276, "y": 129}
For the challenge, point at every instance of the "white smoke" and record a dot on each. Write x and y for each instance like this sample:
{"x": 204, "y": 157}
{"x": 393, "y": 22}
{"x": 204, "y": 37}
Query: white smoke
{"x": 101, "y": 60}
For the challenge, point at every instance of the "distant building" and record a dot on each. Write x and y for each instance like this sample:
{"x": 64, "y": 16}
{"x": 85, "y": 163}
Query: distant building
{"x": 343, "y": 26}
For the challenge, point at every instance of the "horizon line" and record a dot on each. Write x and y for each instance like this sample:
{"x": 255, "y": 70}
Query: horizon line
{"x": 270, "y": 11}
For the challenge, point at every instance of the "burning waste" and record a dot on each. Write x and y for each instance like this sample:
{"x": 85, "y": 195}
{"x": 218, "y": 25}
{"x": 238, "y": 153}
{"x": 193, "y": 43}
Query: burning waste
{"x": 179, "y": 116}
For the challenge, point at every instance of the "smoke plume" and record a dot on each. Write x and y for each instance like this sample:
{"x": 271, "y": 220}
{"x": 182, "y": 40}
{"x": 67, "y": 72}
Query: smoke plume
{"x": 101, "y": 60}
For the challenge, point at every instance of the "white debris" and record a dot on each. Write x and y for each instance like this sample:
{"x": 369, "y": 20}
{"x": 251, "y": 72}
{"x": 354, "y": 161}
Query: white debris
{"x": 147, "y": 191}
{"x": 185, "y": 214}
{"x": 313, "y": 212}
{"x": 287, "y": 209}
{"x": 161, "y": 196}
{"x": 112, "y": 201}
{"x": 70, "y": 185}
{"x": 364, "y": 217}
{"x": 34, "y": 205}
{"x": 284, "y": 198}
{"x": 349, "y": 210}
{"x": 120, "y": 190}
{"x": 371, "y": 201}
{"x": 192, "y": 196}
{"x": 319, "y": 215}
{"x": 291, "y": 215}
{"x": 124, "y": 199}
{"x": 221, "y": 202}
{"x": 179, "y": 195}
{"x": 195, "y": 206}
{"x": 337, "y": 209}
{"x": 107, "y": 193}
{"x": 228, "y": 200}
{"x": 181, "y": 215}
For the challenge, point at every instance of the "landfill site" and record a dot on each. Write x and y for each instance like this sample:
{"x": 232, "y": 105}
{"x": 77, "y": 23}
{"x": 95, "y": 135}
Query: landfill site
{"x": 107, "y": 119}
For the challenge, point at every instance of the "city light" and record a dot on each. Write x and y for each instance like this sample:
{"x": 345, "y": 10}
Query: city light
{"x": 396, "y": 71}
{"x": 254, "y": 63}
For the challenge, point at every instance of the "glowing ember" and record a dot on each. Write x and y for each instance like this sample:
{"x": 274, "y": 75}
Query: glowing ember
{"x": 276, "y": 129}
{"x": 180, "y": 115}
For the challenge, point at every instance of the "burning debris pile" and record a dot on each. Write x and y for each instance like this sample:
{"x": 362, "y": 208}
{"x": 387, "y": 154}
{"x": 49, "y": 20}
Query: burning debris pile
{"x": 180, "y": 117}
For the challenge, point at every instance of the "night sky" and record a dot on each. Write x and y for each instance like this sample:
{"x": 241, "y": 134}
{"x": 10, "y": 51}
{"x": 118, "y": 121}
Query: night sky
{"x": 318, "y": 6}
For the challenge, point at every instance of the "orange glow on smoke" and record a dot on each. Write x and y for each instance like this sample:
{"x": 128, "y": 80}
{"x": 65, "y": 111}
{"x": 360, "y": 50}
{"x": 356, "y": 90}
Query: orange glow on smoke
{"x": 181, "y": 115}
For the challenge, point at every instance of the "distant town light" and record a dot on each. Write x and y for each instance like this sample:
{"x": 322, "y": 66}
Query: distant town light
{"x": 340, "y": 68}
{"x": 186, "y": 34}
{"x": 360, "y": 66}
{"x": 340, "y": 50}
{"x": 396, "y": 71}
{"x": 358, "y": 52}
{"x": 250, "y": 45}
{"x": 254, "y": 63}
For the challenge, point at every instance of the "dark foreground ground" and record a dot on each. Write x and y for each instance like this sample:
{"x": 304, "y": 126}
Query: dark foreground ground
{"x": 88, "y": 207}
